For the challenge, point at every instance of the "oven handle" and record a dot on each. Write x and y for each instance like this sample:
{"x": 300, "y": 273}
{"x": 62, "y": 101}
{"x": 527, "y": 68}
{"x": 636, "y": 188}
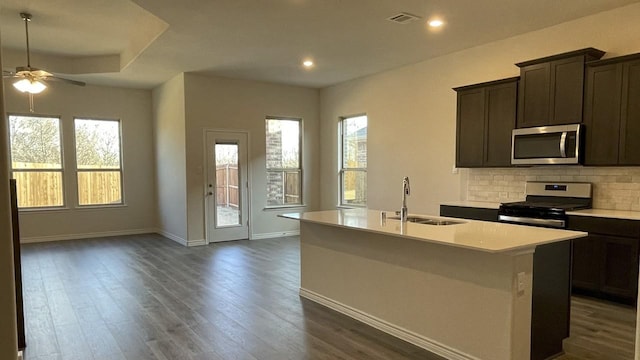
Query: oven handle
{"x": 563, "y": 145}
{"x": 525, "y": 220}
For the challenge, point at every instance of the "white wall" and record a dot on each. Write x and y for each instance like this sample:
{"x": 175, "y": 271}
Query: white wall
{"x": 170, "y": 158}
{"x": 228, "y": 104}
{"x": 133, "y": 108}
{"x": 412, "y": 110}
{"x": 8, "y": 336}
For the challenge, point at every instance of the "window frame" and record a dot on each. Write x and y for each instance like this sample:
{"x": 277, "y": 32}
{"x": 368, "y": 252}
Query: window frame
{"x": 61, "y": 170}
{"x": 299, "y": 169}
{"x": 341, "y": 168}
{"x": 78, "y": 170}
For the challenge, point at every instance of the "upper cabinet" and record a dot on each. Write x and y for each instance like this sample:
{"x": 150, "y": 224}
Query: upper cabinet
{"x": 551, "y": 88}
{"x": 485, "y": 117}
{"x": 612, "y": 111}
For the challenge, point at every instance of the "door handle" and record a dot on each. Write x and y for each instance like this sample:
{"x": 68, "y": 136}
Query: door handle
{"x": 563, "y": 145}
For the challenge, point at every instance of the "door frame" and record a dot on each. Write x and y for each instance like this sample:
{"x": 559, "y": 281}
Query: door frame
{"x": 205, "y": 175}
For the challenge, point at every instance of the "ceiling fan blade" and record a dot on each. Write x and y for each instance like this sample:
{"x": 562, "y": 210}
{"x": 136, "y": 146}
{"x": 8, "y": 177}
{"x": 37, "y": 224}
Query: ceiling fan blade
{"x": 68, "y": 81}
{"x": 6, "y": 73}
{"x": 41, "y": 73}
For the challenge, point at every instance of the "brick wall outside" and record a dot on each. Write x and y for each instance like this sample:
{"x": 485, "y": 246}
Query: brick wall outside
{"x": 275, "y": 181}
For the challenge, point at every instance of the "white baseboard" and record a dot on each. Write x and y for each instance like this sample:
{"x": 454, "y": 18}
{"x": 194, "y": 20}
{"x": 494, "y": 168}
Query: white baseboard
{"x": 38, "y": 239}
{"x": 391, "y": 329}
{"x": 173, "y": 237}
{"x": 199, "y": 242}
{"x": 275, "y": 234}
{"x": 179, "y": 240}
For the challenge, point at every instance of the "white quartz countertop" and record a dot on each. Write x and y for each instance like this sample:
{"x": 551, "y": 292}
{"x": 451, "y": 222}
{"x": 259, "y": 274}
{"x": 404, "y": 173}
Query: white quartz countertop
{"x": 471, "y": 234}
{"x": 603, "y": 213}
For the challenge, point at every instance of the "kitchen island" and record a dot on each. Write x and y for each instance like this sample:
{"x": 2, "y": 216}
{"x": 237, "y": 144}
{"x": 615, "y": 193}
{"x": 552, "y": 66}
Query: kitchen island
{"x": 462, "y": 291}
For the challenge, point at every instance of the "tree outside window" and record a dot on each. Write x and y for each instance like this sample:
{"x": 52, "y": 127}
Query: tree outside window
{"x": 36, "y": 160}
{"x": 98, "y": 159}
{"x": 353, "y": 162}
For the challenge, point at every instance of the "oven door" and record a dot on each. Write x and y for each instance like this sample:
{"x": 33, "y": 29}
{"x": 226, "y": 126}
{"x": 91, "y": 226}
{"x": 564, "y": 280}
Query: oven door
{"x": 546, "y": 145}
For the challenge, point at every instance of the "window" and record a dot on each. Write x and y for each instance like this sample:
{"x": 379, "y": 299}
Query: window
{"x": 36, "y": 160}
{"x": 98, "y": 159}
{"x": 353, "y": 162}
{"x": 284, "y": 170}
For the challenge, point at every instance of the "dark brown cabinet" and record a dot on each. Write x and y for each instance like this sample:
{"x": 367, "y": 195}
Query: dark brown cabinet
{"x": 605, "y": 264}
{"x": 465, "y": 212}
{"x": 485, "y": 117}
{"x": 586, "y": 253}
{"x": 612, "y": 112}
{"x": 620, "y": 276}
{"x": 551, "y": 89}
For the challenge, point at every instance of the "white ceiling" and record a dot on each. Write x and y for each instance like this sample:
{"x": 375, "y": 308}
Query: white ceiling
{"x": 143, "y": 43}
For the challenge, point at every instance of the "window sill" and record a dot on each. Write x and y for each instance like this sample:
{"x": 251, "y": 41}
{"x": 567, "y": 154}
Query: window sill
{"x": 79, "y": 208}
{"x": 43, "y": 210}
{"x": 283, "y": 207}
{"x": 100, "y": 207}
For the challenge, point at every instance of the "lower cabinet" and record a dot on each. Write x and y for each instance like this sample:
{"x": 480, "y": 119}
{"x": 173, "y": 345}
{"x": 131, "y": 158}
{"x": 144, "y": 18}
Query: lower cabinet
{"x": 605, "y": 264}
{"x": 606, "y": 267}
{"x": 586, "y": 263}
{"x": 620, "y": 275}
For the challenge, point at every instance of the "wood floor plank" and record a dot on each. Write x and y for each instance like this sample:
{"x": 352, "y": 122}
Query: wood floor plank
{"x": 145, "y": 297}
{"x": 72, "y": 343}
{"x": 131, "y": 341}
{"x": 600, "y": 330}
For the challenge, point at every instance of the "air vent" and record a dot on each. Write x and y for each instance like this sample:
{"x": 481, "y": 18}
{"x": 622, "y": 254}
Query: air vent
{"x": 403, "y": 18}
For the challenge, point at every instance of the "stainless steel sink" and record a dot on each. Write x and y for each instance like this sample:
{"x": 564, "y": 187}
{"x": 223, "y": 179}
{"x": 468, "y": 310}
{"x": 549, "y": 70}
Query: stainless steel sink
{"x": 427, "y": 221}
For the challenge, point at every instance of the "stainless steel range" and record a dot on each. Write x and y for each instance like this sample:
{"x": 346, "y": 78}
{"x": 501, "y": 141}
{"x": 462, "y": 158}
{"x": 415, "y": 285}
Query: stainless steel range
{"x": 546, "y": 204}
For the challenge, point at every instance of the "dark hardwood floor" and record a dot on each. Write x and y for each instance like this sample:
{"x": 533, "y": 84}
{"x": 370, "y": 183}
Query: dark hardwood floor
{"x": 600, "y": 330}
{"x": 145, "y": 297}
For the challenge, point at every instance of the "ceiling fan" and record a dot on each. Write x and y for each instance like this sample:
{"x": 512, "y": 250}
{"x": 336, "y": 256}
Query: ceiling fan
{"x": 33, "y": 80}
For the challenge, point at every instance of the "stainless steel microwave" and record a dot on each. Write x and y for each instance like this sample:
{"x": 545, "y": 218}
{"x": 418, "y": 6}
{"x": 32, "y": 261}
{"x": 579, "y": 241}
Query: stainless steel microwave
{"x": 559, "y": 144}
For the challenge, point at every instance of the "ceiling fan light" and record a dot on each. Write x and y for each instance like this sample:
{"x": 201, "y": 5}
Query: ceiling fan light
{"x": 29, "y": 86}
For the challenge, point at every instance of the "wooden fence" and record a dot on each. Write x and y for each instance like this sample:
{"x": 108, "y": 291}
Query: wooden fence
{"x": 44, "y": 189}
{"x": 227, "y": 186}
{"x": 292, "y": 188}
{"x": 99, "y": 187}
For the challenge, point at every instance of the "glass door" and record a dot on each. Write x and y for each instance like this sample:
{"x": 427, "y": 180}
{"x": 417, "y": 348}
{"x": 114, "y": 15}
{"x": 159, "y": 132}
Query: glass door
{"x": 227, "y": 217}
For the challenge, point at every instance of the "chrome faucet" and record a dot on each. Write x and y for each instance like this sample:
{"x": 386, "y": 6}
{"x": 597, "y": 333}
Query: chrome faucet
{"x": 406, "y": 190}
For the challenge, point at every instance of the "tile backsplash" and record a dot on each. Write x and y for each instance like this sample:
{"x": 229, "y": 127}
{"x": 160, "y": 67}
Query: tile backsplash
{"x": 615, "y": 188}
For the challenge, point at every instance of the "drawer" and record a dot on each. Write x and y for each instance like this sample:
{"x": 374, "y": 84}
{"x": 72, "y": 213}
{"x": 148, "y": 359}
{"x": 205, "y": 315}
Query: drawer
{"x": 471, "y": 213}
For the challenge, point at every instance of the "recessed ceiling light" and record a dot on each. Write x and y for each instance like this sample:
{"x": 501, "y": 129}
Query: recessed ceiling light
{"x": 435, "y": 23}
{"x": 307, "y": 63}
